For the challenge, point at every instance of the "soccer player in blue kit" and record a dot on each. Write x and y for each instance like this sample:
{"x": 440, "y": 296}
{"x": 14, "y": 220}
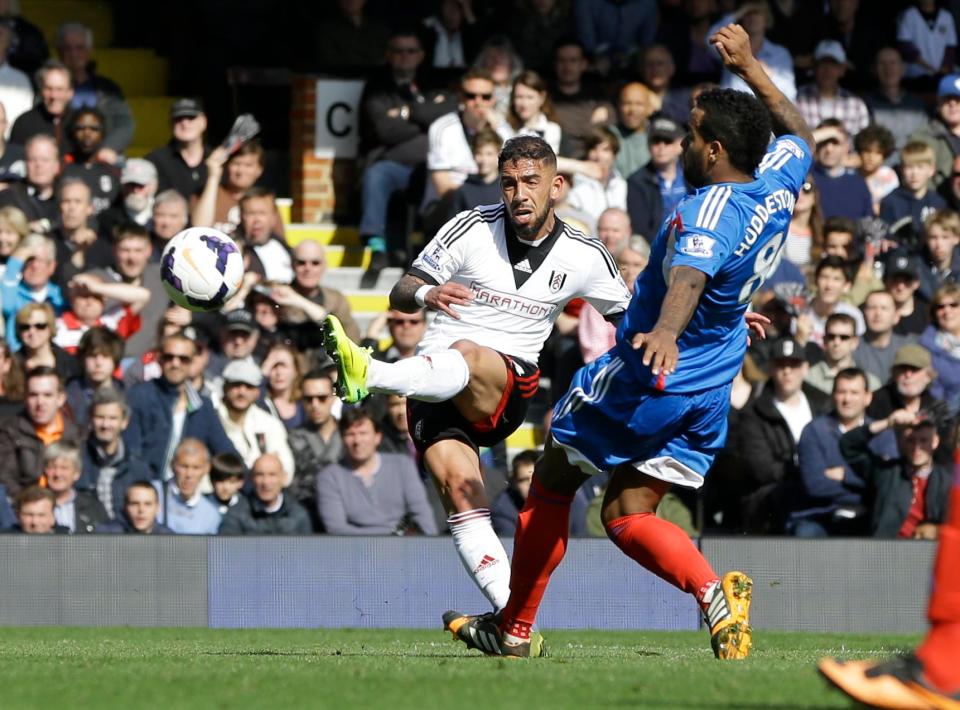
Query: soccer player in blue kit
{"x": 653, "y": 410}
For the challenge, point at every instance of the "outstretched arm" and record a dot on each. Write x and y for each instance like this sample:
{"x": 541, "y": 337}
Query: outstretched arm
{"x": 733, "y": 44}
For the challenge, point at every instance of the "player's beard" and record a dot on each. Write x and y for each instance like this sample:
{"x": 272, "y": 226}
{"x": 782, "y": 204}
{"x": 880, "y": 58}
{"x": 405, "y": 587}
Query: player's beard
{"x": 528, "y": 232}
{"x": 693, "y": 171}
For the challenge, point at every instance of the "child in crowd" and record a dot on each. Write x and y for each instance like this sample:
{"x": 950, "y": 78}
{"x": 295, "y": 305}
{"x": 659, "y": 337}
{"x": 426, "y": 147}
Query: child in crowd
{"x": 483, "y": 188}
{"x": 227, "y": 474}
{"x": 941, "y": 260}
{"x": 87, "y": 295}
{"x": 840, "y": 239}
{"x": 833, "y": 281}
{"x": 592, "y": 195}
{"x": 906, "y": 208}
{"x": 874, "y": 144}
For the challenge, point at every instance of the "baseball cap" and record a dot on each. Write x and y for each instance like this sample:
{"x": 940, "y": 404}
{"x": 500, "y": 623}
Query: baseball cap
{"x": 242, "y": 371}
{"x": 240, "y": 320}
{"x": 913, "y": 355}
{"x": 139, "y": 171}
{"x": 949, "y": 86}
{"x": 901, "y": 264}
{"x": 786, "y": 349}
{"x": 830, "y": 49}
{"x": 665, "y": 127}
{"x": 186, "y": 108}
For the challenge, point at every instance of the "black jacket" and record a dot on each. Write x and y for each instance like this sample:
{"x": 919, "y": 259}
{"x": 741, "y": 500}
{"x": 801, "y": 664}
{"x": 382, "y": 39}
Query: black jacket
{"x": 36, "y": 121}
{"x": 173, "y": 173}
{"x": 887, "y": 400}
{"x": 130, "y": 469}
{"x": 88, "y": 513}
{"x": 248, "y": 517}
{"x": 889, "y": 485}
{"x": 21, "y": 452}
{"x": 644, "y": 203}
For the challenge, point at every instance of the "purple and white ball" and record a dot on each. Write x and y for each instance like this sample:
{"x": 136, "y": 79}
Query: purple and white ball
{"x": 201, "y": 268}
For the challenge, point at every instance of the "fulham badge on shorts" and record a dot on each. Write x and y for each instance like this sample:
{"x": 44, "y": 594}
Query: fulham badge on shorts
{"x": 557, "y": 280}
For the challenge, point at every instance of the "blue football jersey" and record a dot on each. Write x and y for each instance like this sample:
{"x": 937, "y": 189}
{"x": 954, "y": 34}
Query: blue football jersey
{"x": 735, "y": 233}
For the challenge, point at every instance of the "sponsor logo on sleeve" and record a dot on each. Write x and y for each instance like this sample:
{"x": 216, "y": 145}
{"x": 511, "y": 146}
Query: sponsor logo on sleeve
{"x": 435, "y": 259}
{"x": 697, "y": 245}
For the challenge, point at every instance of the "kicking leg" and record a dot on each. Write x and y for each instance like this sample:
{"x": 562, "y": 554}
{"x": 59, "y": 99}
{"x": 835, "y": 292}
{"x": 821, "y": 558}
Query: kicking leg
{"x": 629, "y": 516}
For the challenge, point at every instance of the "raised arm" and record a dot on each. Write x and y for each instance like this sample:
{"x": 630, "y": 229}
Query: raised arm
{"x": 733, "y": 44}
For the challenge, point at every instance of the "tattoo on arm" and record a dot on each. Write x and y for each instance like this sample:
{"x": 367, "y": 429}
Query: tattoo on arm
{"x": 402, "y": 295}
{"x": 787, "y": 119}
{"x": 681, "y": 300}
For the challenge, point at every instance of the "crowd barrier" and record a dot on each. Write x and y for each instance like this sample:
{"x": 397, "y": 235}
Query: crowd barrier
{"x": 307, "y": 582}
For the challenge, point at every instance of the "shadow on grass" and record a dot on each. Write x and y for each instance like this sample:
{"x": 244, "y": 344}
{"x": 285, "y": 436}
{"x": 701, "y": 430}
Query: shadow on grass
{"x": 328, "y": 654}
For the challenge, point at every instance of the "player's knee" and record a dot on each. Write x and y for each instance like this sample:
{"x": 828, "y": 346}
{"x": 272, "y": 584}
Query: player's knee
{"x": 462, "y": 488}
{"x": 468, "y": 349}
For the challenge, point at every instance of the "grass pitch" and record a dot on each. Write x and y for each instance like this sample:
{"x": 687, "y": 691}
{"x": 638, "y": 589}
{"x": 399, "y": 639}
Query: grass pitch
{"x": 361, "y": 668}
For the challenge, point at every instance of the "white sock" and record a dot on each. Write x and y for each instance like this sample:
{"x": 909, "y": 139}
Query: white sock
{"x": 436, "y": 377}
{"x": 482, "y": 554}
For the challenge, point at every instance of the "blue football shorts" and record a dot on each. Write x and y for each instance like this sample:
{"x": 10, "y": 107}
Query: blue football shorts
{"x": 607, "y": 418}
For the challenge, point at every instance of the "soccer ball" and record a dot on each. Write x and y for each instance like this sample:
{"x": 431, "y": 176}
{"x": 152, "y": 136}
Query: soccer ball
{"x": 201, "y": 268}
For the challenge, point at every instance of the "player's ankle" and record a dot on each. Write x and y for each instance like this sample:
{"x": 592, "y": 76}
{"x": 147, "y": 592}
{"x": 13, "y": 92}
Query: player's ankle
{"x": 515, "y": 631}
{"x": 707, "y": 592}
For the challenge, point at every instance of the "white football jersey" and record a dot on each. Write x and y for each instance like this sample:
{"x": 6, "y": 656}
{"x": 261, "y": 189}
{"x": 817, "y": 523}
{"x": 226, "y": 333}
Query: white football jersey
{"x": 519, "y": 289}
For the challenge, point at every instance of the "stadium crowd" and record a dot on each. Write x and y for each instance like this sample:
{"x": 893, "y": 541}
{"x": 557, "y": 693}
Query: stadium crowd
{"x": 123, "y": 413}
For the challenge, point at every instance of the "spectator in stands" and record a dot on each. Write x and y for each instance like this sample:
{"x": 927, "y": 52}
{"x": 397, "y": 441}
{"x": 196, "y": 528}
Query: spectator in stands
{"x": 50, "y": 114}
{"x": 267, "y": 510}
{"x": 909, "y": 388}
{"x": 927, "y": 37}
{"x": 612, "y": 32}
{"x": 825, "y": 98}
{"x": 239, "y": 340}
{"x": 35, "y": 325}
{"x": 897, "y": 110}
{"x": 450, "y": 157}
{"x": 805, "y": 235}
{"x": 166, "y": 409}
{"x": 843, "y": 191}
{"x": 535, "y": 28}
{"x": 309, "y": 266}
{"x": 110, "y": 467}
{"x": 656, "y": 72}
{"x": 79, "y": 247}
{"x": 181, "y": 163}
{"x": 12, "y": 165}
{"x": 283, "y": 369}
{"x": 138, "y": 188}
{"x": 840, "y": 341}
{"x": 578, "y": 107}
{"x": 406, "y": 332}
{"x": 77, "y": 511}
{"x": 942, "y": 339}
{"x": 880, "y": 344}
{"x": 593, "y": 195}
{"x": 218, "y": 205}
{"x": 482, "y": 188}
{"x": 908, "y": 496}
{"x": 26, "y": 280}
{"x": 842, "y": 238}
{"x": 831, "y": 501}
{"x": 227, "y": 474}
{"x": 530, "y": 112}
{"x": 908, "y": 207}
{"x": 874, "y": 144}
{"x": 614, "y": 229}
{"x": 349, "y": 39}
{"x": 34, "y": 507}
{"x": 99, "y": 353}
{"x": 774, "y": 422}
{"x": 268, "y": 253}
{"x": 941, "y": 255}
{"x": 370, "y": 493}
{"x": 85, "y": 129}
{"x": 756, "y": 18}
{"x": 901, "y": 278}
{"x": 29, "y": 47}
{"x": 11, "y": 381}
{"x": 498, "y": 58}
{"x": 832, "y": 280}
{"x": 396, "y": 110}
{"x": 686, "y": 31}
{"x": 183, "y": 507}
{"x": 36, "y": 196}
{"x": 141, "y": 505}
{"x": 507, "y": 505}
{"x": 666, "y": 145}
{"x": 636, "y": 105}
{"x": 253, "y": 430}
{"x": 42, "y": 422}
{"x": 316, "y": 443}
{"x": 16, "y": 91}
{"x": 395, "y": 428}
{"x": 451, "y": 35}
{"x": 88, "y": 296}
{"x": 943, "y": 131}
{"x": 171, "y": 215}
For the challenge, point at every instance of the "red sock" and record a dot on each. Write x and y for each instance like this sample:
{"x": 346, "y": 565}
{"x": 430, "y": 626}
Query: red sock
{"x": 664, "y": 549}
{"x": 941, "y": 647}
{"x": 539, "y": 545}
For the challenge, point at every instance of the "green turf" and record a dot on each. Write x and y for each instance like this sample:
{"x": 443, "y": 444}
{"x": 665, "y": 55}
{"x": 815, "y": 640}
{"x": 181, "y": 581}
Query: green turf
{"x": 67, "y": 668}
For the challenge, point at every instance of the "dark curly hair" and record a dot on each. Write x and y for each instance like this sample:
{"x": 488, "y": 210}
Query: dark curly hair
{"x": 739, "y": 122}
{"x": 875, "y": 135}
{"x": 527, "y": 148}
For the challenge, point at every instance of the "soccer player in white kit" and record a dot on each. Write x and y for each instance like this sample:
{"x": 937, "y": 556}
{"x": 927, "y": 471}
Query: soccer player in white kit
{"x": 498, "y": 277}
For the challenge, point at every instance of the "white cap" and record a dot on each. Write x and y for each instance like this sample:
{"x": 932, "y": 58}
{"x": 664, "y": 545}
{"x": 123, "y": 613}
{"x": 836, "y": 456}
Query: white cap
{"x": 830, "y": 49}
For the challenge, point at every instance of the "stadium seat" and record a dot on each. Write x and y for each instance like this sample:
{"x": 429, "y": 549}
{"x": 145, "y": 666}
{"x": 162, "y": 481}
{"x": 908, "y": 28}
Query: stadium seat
{"x": 139, "y": 72}
{"x": 152, "y": 117}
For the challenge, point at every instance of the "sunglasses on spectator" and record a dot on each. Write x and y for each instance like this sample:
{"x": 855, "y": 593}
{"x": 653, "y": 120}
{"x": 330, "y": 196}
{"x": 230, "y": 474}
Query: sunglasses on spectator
{"x": 170, "y": 357}
{"x": 470, "y": 96}
{"x": 406, "y": 321}
{"x": 304, "y": 262}
{"x": 946, "y": 304}
{"x": 837, "y": 336}
{"x": 316, "y": 397}
{"x": 88, "y": 127}
{"x": 24, "y": 327}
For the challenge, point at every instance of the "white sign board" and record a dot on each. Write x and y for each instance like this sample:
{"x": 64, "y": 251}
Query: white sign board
{"x": 338, "y": 118}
